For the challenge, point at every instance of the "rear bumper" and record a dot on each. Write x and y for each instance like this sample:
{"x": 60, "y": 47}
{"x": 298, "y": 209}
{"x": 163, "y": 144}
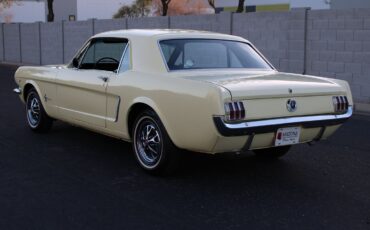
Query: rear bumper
{"x": 271, "y": 125}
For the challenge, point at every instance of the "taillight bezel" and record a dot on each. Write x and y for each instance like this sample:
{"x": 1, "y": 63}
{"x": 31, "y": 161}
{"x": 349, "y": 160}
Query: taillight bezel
{"x": 340, "y": 104}
{"x": 234, "y": 111}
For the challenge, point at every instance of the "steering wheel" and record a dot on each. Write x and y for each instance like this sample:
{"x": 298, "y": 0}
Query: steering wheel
{"x": 107, "y": 58}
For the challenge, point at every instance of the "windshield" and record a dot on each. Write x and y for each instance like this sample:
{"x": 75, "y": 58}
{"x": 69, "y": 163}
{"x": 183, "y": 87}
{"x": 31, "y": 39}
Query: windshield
{"x": 181, "y": 54}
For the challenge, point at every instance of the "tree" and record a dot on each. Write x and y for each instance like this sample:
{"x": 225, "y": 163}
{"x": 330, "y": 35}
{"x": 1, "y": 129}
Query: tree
{"x": 165, "y": 4}
{"x": 50, "y": 11}
{"x": 7, "y": 17}
{"x": 212, "y": 4}
{"x": 139, "y": 8}
{"x": 240, "y": 6}
{"x": 181, "y": 7}
{"x": 6, "y": 3}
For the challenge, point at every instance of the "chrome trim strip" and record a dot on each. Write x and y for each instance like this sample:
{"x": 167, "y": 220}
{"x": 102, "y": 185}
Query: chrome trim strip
{"x": 117, "y": 109}
{"x": 17, "y": 91}
{"x": 270, "y": 125}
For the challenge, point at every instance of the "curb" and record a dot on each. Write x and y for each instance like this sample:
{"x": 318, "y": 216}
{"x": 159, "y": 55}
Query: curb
{"x": 362, "y": 109}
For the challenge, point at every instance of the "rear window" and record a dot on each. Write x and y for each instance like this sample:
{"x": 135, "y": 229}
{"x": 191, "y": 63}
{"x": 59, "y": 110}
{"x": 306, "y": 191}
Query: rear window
{"x": 181, "y": 54}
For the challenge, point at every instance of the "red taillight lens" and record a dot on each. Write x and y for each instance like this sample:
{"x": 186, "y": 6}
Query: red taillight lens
{"x": 234, "y": 111}
{"x": 340, "y": 104}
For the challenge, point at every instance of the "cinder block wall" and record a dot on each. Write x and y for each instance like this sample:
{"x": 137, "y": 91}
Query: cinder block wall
{"x": 147, "y": 23}
{"x": 278, "y": 35}
{"x": 12, "y": 43}
{"x": 332, "y": 43}
{"x": 51, "y": 43}
{"x": 30, "y": 43}
{"x": 75, "y": 35}
{"x": 220, "y": 23}
{"x": 109, "y": 24}
{"x": 339, "y": 47}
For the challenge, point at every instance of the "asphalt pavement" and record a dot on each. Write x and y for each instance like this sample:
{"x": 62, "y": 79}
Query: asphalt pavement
{"x": 72, "y": 178}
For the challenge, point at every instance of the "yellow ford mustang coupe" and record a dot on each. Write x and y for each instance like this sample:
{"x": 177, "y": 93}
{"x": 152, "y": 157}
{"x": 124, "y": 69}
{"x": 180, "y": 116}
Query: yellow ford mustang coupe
{"x": 166, "y": 90}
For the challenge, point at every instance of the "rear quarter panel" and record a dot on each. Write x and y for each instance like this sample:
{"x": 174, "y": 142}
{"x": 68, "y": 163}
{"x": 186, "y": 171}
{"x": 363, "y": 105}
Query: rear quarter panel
{"x": 185, "y": 107}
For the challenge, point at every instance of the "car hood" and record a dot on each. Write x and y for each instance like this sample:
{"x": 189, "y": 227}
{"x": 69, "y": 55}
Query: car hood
{"x": 267, "y": 84}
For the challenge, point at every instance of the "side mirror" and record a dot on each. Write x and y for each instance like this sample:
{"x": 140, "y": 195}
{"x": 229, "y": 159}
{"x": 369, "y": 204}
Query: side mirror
{"x": 75, "y": 62}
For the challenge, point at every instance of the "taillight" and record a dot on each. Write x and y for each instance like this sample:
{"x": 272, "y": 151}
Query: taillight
{"x": 340, "y": 104}
{"x": 234, "y": 111}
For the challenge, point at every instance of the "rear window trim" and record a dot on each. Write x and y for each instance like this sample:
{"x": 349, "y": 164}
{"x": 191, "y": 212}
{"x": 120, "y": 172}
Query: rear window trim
{"x": 216, "y": 39}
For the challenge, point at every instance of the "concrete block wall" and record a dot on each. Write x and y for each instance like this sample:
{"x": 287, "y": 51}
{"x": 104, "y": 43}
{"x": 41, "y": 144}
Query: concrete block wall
{"x": 12, "y": 44}
{"x": 148, "y": 23}
{"x": 278, "y": 35}
{"x": 338, "y": 46}
{"x": 220, "y": 23}
{"x": 75, "y": 35}
{"x": 109, "y": 24}
{"x": 30, "y": 43}
{"x": 51, "y": 43}
{"x": 332, "y": 43}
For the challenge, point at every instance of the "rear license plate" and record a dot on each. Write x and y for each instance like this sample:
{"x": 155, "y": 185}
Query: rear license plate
{"x": 287, "y": 136}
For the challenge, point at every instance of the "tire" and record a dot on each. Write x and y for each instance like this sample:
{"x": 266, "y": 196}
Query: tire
{"x": 275, "y": 152}
{"x": 37, "y": 119}
{"x": 152, "y": 146}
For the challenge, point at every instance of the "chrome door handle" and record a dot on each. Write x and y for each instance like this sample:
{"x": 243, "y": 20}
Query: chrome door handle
{"x": 105, "y": 79}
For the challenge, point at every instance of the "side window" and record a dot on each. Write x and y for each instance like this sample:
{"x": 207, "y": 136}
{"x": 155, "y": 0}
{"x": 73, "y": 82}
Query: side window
{"x": 126, "y": 60}
{"x": 103, "y": 54}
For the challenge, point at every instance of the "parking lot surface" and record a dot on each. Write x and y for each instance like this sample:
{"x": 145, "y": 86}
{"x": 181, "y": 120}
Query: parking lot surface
{"x": 72, "y": 178}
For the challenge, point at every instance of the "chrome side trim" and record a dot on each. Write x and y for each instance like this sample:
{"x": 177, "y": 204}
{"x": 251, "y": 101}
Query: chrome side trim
{"x": 271, "y": 125}
{"x": 117, "y": 109}
{"x": 17, "y": 91}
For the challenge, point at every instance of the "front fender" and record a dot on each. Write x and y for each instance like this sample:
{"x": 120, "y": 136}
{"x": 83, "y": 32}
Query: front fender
{"x": 42, "y": 79}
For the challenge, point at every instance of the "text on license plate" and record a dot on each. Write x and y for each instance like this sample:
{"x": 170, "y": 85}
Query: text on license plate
{"x": 287, "y": 136}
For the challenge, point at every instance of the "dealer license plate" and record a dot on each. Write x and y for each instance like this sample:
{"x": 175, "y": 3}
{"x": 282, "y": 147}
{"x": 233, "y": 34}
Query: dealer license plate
{"x": 287, "y": 136}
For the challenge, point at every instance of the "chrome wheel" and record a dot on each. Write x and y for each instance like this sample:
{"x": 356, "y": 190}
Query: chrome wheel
{"x": 33, "y": 110}
{"x": 153, "y": 148}
{"x": 148, "y": 142}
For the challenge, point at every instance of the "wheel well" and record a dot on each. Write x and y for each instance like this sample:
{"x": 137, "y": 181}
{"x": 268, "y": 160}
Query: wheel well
{"x": 27, "y": 88}
{"x": 135, "y": 110}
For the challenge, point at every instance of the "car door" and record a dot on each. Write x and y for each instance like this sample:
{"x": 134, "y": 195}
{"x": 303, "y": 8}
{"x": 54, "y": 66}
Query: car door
{"x": 81, "y": 88}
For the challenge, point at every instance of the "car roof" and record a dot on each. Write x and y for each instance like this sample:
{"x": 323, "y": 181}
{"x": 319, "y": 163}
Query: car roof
{"x": 158, "y": 34}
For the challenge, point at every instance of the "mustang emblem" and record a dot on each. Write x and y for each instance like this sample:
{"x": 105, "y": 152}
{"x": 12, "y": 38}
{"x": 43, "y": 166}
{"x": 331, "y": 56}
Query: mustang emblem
{"x": 291, "y": 105}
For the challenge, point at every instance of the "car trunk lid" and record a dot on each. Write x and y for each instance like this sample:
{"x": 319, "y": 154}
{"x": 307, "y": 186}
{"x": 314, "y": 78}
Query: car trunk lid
{"x": 265, "y": 93}
{"x": 258, "y": 85}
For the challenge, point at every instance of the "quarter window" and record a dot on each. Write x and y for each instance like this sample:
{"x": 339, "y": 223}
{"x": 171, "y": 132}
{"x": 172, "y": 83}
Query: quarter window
{"x": 126, "y": 60}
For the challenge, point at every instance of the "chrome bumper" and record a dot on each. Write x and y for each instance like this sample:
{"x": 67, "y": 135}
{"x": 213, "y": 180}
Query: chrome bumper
{"x": 271, "y": 125}
{"x": 17, "y": 91}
